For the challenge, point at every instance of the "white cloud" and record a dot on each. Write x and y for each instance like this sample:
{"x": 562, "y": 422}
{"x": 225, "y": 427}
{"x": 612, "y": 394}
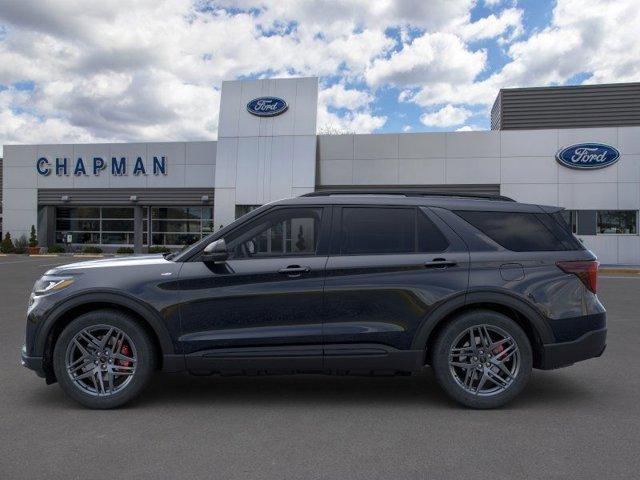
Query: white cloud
{"x": 358, "y": 122}
{"x": 508, "y": 22}
{"x": 340, "y": 97}
{"x": 407, "y": 128}
{"x": 469, "y": 128}
{"x": 447, "y": 116}
{"x": 597, "y": 38}
{"x": 151, "y": 70}
{"x": 432, "y": 57}
{"x": 357, "y": 119}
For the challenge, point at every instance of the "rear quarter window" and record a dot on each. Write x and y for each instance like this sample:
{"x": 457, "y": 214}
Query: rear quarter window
{"x": 520, "y": 232}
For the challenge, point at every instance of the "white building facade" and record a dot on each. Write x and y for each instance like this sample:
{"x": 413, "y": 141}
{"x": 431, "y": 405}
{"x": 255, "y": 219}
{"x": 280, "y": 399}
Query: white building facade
{"x": 145, "y": 194}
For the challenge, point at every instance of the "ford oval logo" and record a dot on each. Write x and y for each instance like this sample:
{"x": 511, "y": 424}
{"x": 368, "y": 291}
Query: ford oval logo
{"x": 588, "y": 156}
{"x": 267, "y": 106}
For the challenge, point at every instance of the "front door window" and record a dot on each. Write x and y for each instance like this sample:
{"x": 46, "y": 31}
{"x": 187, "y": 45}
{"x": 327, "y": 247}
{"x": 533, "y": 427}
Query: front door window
{"x": 284, "y": 232}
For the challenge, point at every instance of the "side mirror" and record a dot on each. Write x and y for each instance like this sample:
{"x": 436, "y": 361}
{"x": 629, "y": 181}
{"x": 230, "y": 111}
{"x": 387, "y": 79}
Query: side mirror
{"x": 216, "y": 251}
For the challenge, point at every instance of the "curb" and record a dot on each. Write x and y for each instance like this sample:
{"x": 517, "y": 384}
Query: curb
{"x": 619, "y": 271}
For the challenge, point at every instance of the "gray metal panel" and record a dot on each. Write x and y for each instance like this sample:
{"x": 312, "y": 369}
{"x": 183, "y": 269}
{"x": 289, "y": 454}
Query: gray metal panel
{"x": 472, "y": 189}
{"x": 496, "y": 111}
{"x": 567, "y": 107}
{"x": 1, "y": 190}
{"x": 121, "y": 196}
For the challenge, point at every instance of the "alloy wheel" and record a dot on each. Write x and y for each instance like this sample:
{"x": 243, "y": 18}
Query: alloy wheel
{"x": 484, "y": 360}
{"x": 101, "y": 360}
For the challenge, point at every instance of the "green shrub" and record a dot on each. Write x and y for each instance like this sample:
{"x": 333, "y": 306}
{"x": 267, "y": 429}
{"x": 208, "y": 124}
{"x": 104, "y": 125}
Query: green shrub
{"x": 7, "y": 244}
{"x": 124, "y": 250}
{"x": 20, "y": 245}
{"x": 33, "y": 238}
{"x": 57, "y": 248}
{"x": 159, "y": 249}
{"x": 91, "y": 249}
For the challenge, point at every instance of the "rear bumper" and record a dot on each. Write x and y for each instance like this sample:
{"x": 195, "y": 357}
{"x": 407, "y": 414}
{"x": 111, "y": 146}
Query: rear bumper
{"x": 589, "y": 345}
{"x": 32, "y": 363}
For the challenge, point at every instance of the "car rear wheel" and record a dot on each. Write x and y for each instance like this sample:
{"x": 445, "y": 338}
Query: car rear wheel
{"x": 103, "y": 359}
{"x": 482, "y": 359}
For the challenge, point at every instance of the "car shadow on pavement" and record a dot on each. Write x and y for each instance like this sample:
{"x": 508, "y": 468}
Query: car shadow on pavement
{"x": 418, "y": 390}
{"x": 415, "y": 390}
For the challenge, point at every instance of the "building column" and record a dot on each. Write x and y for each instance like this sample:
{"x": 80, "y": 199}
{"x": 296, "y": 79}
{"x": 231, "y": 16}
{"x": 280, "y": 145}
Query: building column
{"x": 137, "y": 228}
{"x": 46, "y": 228}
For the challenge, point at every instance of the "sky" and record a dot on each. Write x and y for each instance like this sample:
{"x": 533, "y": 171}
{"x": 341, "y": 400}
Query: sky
{"x": 73, "y": 71}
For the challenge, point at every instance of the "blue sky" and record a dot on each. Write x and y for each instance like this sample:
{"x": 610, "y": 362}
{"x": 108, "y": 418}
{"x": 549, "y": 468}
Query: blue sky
{"x": 76, "y": 71}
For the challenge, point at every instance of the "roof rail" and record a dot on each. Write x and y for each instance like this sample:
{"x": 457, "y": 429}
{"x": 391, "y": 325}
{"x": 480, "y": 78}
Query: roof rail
{"x": 407, "y": 193}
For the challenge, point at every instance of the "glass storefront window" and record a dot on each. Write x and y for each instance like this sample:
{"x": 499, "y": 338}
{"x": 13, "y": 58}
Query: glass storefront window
{"x": 570, "y": 218}
{"x": 180, "y": 226}
{"x": 95, "y": 225}
{"x": 618, "y": 222}
{"x": 173, "y": 226}
{"x": 244, "y": 209}
{"x": 602, "y": 222}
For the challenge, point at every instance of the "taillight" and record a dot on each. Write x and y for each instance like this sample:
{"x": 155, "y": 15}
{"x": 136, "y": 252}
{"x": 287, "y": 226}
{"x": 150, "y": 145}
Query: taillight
{"x": 586, "y": 271}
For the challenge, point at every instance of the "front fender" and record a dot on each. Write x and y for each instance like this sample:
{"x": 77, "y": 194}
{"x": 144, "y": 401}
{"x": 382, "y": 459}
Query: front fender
{"x": 113, "y": 297}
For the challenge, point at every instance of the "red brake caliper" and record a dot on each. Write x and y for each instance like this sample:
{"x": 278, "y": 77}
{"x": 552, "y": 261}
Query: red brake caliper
{"x": 498, "y": 350}
{"x": 125, "y": 350}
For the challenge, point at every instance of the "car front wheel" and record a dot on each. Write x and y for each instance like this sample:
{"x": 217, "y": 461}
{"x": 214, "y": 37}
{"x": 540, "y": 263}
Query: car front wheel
{"x": 103, "y": 359}
{"x": 482, "y": 359}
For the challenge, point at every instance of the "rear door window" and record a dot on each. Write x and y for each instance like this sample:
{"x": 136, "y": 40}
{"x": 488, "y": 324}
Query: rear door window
{"x": 388, "y": 230}
{"x": 517, "y": 231}
{"x": 377, "y": 230}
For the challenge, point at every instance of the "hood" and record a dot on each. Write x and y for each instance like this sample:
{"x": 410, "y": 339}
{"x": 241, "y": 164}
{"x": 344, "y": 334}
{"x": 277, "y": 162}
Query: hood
{"x": 138, "y": 261}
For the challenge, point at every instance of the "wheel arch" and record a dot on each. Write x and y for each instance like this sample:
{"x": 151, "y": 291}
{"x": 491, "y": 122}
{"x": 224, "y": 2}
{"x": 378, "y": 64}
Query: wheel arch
{"x": 525, "y": 315}
{"x": 65, "y": 313}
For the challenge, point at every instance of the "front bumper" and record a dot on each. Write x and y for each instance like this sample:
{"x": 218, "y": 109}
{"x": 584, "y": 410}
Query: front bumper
{"x": 32, "y": 363}
{"x": 589, "y": 345}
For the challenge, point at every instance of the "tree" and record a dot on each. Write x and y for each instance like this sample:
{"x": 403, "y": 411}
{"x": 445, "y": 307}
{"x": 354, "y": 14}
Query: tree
{"x": 33, "y": 237}
{"x": 331, "y": 129}
{"x": 7, "y": 244}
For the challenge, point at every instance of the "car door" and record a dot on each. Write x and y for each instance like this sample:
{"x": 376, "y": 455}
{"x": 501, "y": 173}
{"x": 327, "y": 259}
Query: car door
{"x": 261, "y": 307}
{"x": 389, "y": 266}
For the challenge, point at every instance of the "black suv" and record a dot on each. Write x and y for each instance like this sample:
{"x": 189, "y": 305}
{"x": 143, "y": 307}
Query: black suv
{"x": 481, "y": 289}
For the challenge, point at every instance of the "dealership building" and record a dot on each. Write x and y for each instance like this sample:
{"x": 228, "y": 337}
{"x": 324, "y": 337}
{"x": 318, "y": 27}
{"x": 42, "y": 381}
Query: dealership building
{"x": 576, "y": 147}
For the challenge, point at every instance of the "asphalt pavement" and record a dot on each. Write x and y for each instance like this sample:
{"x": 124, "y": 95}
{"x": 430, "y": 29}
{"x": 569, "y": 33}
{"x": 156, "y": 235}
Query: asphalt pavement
{"x": 578, "y": 422}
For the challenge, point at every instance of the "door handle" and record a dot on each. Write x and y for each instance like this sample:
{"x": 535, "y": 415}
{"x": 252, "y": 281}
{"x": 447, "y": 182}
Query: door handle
{"x": 439, "y": 263}
{"x": 294, "y": 270}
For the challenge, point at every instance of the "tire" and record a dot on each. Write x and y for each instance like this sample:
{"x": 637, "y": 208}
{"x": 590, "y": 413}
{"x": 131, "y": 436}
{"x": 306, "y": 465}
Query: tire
{"x": 115, "y": 373}
{"x": 468, "y": 369}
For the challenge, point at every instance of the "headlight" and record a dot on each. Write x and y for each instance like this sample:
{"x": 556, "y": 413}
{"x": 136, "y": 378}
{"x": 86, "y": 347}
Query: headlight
{"x": 51, "y": 284}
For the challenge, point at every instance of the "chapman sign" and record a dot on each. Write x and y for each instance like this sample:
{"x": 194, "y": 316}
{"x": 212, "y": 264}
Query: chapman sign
{"x": 267, "y": 106}
{"x": 588, "y": 156}
{"x": 118, "y": 166}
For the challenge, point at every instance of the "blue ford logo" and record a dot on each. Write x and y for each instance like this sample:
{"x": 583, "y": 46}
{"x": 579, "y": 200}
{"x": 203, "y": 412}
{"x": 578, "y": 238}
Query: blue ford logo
{"x": 588, "y": 156}
{"x": 267, "y": 106}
